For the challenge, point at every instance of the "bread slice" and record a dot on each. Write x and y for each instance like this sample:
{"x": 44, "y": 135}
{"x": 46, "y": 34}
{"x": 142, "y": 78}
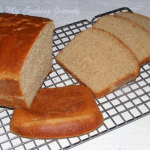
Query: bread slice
{"x": 131, "y": 34}
{"x": 99, "y": 60}
{"x": 139, "y": 19}
{"x": 25, "y": 57}
{"x": 58, "y": 113}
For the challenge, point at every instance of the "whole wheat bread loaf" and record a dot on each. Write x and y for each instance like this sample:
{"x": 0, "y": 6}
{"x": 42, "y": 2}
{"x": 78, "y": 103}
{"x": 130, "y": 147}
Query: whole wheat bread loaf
{"x": 25, "y": 57}
{"x": 99, "y": 60}
{"x": 57, "y": 113}
{"x": 130, "y": 33}
{"x": 139, "y": 19}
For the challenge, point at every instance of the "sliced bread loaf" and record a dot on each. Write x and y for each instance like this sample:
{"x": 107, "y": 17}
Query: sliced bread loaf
{"x": 57, "y": 113}
{"x": 139, "y": 19}
{"x": 131, "y": 34}
{"x": 25, "y": 57}
{"x": 99, "y": 60}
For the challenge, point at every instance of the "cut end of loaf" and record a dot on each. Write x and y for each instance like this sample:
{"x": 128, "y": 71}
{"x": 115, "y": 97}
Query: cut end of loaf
{"x": 38, "y": 63}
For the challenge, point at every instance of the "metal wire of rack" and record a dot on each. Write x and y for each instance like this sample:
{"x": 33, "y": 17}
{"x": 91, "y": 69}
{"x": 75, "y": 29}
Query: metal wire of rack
{"x": 125, "y": 105}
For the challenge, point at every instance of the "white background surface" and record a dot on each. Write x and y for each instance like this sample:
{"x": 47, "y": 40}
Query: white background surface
{"x": 135, "y": 135}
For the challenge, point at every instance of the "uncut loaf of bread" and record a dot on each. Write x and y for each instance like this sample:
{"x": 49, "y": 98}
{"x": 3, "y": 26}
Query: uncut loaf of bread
{"x": 139, "y": 19}
{"x": 25, "y": 57}
{"x": 99, "y": 60}
{"x": 131, "y": 34}
{"x": 65, "y": 112}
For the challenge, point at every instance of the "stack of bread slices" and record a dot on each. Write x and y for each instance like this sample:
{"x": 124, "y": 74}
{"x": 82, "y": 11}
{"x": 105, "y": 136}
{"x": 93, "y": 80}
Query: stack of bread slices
{"x": 101, "y": 58}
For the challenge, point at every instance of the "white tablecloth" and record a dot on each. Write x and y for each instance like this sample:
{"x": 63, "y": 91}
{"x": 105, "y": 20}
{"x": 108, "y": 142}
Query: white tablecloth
{"x": 135, "y": 135}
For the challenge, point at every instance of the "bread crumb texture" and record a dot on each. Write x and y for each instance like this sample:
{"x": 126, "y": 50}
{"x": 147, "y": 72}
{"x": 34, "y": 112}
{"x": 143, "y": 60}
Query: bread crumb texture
{"x": 139, "y": 19}
{"x": 131, "y": 34}
{"x": 99, "y": 60}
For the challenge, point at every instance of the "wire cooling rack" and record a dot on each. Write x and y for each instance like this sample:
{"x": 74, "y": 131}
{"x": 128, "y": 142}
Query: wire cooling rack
{"x": 126, "y": 104}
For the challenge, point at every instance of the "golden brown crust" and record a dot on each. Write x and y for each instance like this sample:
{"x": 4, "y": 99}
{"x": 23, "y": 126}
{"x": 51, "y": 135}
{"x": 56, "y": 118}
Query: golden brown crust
{"x": 57, "y": 113}
{"x": 69, "y": 128}
{"x": 10, "y": 87}
{"x": 144, "y": 61}
{"x": 11, "y": 95}
{"x": 13, "y": 102}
